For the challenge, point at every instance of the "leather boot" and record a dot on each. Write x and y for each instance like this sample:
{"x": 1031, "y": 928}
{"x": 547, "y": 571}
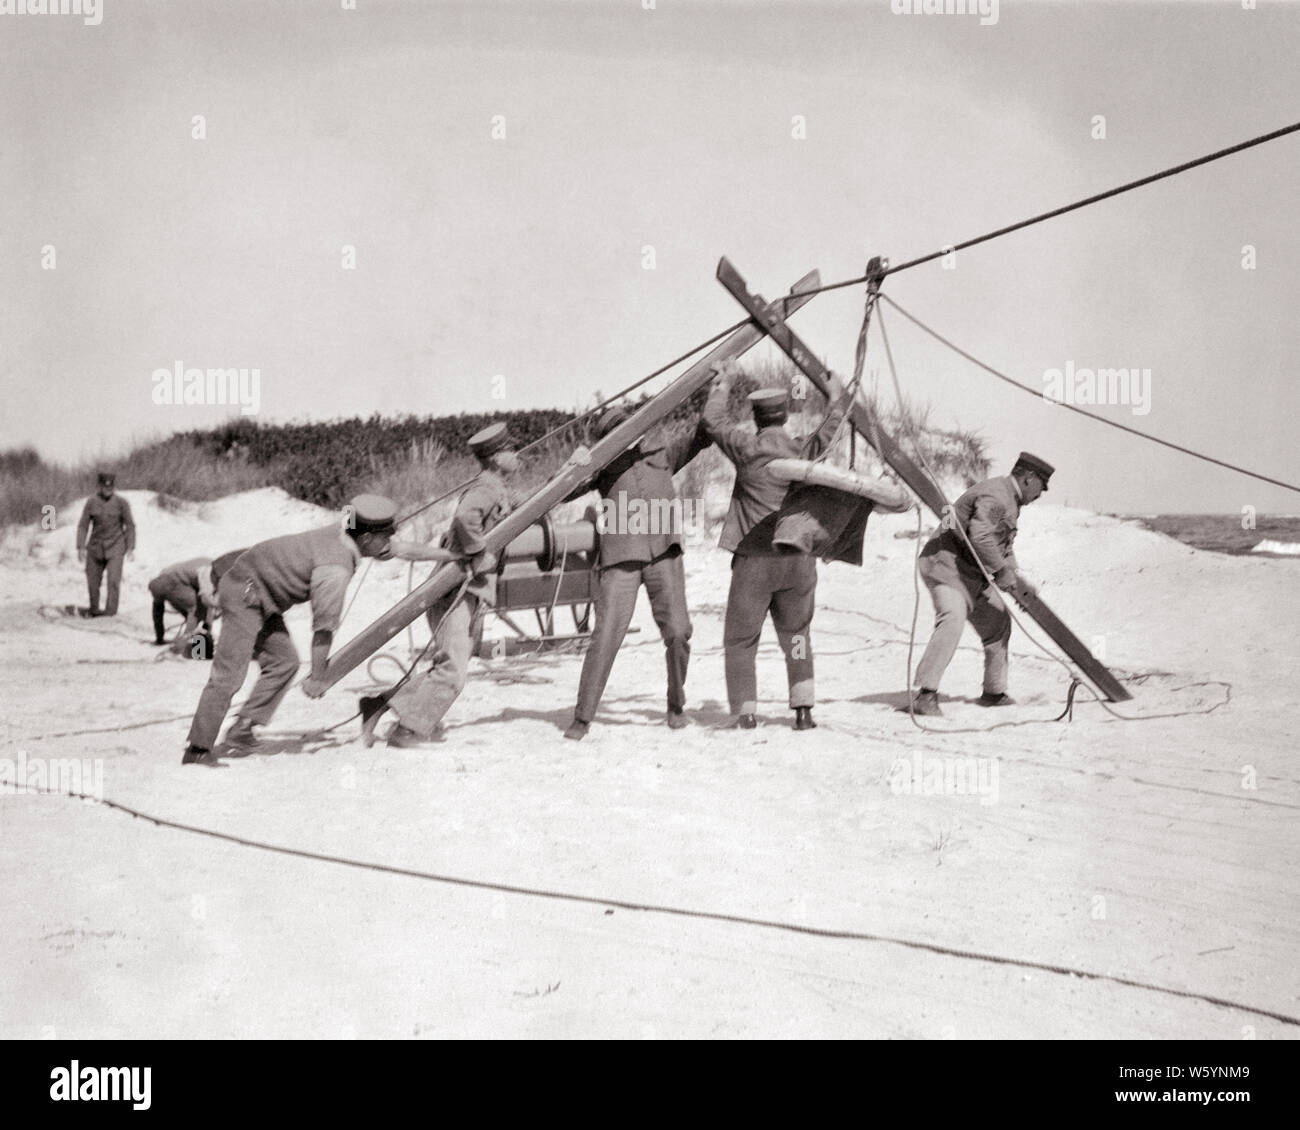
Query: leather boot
{"x": 402, "y": 737}
{"x": 241, "y": 739}
{"x": 926, "y": 702}
{"x": 193, "y": 755}
{"x": 372, "y": 709}
{"x": 989, "y": 699}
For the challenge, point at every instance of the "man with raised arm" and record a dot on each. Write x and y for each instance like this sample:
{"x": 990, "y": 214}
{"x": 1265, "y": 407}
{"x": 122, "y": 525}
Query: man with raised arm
{"x": 641, "y": 544}
{"x": 766, "y": 579}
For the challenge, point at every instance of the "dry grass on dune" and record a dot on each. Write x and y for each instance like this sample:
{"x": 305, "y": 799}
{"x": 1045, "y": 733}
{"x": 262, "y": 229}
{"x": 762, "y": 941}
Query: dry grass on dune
{"x": 174, "y": 467}
{"x": 417, "y": 469}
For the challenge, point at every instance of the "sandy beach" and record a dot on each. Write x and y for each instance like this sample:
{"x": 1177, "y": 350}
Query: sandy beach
{"x": 1096, "y": 878}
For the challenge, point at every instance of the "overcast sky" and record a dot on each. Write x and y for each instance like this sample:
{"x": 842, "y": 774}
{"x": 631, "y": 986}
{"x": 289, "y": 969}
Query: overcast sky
{"x": 674, "y": 128}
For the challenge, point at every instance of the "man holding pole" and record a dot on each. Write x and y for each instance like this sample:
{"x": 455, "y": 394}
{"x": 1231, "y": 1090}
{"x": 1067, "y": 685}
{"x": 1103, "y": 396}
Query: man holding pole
{"x": 976, "y": 538}
{"x": 421, "y": 700}
{"x": 765, "y": 578}
{"x": 648, "y": 552}
{"x": 255, "y": 592}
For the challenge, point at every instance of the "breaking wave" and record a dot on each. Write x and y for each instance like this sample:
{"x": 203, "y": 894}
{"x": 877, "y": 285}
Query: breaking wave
{"x": 1282, "y": 548}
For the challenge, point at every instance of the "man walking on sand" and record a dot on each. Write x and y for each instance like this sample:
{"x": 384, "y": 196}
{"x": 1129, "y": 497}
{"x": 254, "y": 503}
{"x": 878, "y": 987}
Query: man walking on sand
{"x": 421, "y": 702}
{"x": 648, "y": 552}
{"x": 255, "y": 592}
{"x": 107, "y": 518}
{"x": 987, "y": 515}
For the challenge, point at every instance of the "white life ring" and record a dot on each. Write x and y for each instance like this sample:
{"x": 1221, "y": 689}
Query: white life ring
{"x": 886, "y": 495}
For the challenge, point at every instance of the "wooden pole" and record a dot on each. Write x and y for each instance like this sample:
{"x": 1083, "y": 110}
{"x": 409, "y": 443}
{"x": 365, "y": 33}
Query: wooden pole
{"x": 450, "y": 576}
{"x": 907, "y": 470}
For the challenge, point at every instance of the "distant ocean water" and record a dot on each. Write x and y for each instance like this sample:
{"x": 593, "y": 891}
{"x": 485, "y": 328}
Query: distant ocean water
{"x": 1222, "y": 533}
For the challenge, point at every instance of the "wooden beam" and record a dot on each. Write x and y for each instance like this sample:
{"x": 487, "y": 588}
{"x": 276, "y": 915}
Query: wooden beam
{"x": 448, "y": 577}
{"x": 773, "y": 321}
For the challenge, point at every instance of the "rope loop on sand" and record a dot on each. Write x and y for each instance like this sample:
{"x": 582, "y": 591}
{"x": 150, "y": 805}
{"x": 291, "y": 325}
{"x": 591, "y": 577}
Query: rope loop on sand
{"x": 1067, "y": 715}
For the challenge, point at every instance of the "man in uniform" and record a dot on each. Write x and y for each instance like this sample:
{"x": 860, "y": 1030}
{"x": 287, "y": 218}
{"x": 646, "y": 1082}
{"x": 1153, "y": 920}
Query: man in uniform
{"x": 987, "y": 514}
{"x": 421, "y": 701}
{"x": 221, "y": 565}
{"x": 636, "y": 556}
{"x": 187, "y": 587}
{"x": 254, "y": 594}
{"x": 765, "y": 578}
{"x": 107, "y": 517}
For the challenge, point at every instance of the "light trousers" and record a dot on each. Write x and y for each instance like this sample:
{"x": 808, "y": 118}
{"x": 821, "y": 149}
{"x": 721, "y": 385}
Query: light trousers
{"x": 423, "y": 699}
{"x": 953, "y": 607}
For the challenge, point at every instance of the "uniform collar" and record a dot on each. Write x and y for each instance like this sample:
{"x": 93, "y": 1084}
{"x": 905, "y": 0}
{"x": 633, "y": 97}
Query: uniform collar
{"x": 1015, "y": 486}
{"x": 351, "y": 543}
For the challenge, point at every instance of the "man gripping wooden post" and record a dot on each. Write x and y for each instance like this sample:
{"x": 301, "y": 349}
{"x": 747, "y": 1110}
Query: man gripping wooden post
{"x": 264, "y": 583}
{"x": 632, "y": 557}
{"x": 452, "y": 574}
{"x": 421, "y": 701}
{"x": 907, "y": 470}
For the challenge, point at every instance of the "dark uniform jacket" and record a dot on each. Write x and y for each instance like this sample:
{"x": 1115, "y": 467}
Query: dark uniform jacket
{"x": 221, "y": 565}
{"x": 827, "y": 523}
{"x": 112, "y": 529}
{"x": 831, "y": 523}
{"x": 644, "y": 475}
{"x": 989, "y": 513}
{"x": 194, "y": 575}
{"x": 757, "y": 493}
{"x": 484, "y": 503}
{"x": 316, "y": 566}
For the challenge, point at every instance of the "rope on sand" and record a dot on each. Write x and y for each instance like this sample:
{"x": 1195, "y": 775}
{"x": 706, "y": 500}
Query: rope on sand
{"x": 1076, "y": 679}
{"x": 681, "y": 912}
{"x": 54, "y": 614}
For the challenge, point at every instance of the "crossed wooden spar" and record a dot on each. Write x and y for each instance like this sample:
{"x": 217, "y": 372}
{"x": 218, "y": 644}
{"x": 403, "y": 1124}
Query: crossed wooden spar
{"x": 451, "y": 575}
{"x": 924, "y": 487}
{"x": 768, "y": 320}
